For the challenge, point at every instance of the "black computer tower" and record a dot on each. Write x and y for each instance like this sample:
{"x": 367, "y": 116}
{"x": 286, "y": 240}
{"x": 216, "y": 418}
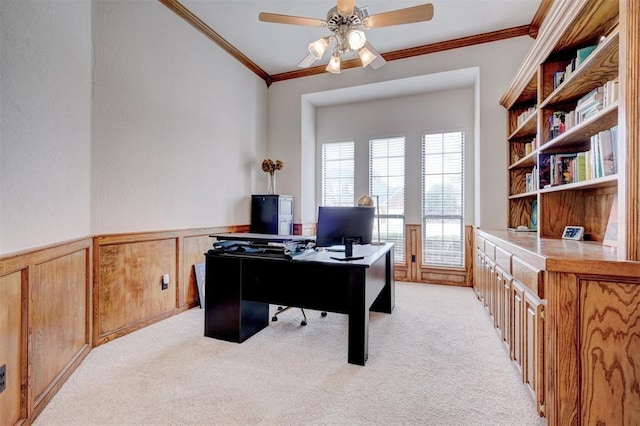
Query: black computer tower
{"x": 272, "y": 214}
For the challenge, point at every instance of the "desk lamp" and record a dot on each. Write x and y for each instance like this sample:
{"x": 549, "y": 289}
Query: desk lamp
{"x": 367, "y": 201}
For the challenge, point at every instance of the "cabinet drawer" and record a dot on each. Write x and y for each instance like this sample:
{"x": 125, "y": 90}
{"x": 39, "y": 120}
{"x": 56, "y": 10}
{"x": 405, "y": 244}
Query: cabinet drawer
{"x": 490, "y": 250}
{"x": 480, "y": 243}
{"x": 503, "y": 258}
{"x": 529, "y": 276}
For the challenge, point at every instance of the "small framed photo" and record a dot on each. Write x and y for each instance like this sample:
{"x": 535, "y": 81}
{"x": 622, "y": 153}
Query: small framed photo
{"x": 573, "y": 233}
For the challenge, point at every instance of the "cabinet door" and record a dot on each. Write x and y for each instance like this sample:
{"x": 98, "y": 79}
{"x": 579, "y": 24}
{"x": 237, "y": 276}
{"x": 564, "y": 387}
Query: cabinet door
{"x": 498, "y": 305}
{"x": 490, "y": 285}
{"x": 516, "y": 310}
{"x": 533, "y": 338}
{"x": 505, "y": 309}
{"x": 478, "y": 274}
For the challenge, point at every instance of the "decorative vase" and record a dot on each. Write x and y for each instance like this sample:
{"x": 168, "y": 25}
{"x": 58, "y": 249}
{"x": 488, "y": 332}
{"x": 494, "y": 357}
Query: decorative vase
{"x": 271, "y": 189}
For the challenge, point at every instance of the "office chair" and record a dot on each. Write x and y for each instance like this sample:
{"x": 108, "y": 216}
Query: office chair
{"x": 304, "y": 316}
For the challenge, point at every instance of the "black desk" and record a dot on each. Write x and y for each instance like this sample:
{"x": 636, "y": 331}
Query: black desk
{"x": 240, "y": 287}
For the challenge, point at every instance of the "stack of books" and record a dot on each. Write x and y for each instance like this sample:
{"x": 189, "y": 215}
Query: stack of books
{"x": 589, "y": 104}
{"x": 525, "y": 115}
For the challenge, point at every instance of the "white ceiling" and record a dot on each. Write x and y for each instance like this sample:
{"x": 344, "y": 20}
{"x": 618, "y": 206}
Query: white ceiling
{"x": 278, "y": 48}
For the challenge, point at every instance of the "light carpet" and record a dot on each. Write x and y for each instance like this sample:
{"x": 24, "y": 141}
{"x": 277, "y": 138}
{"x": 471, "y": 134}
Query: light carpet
{"x": 436, "y": 360}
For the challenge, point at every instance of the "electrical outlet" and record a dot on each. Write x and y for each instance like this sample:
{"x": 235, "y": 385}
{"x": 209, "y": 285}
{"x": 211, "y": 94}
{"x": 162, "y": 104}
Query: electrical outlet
{"x": 165, "y": 282}
{"x": 3, "y": 377}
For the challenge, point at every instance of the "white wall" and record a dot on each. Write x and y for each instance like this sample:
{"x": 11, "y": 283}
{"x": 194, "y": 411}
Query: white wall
{"x": 118, "y": 116}
{"x": 45, "y": 126}
{"x": 179, "y": 126}
{"x": 497, "y": 63}
{"x": 408, "y": 116}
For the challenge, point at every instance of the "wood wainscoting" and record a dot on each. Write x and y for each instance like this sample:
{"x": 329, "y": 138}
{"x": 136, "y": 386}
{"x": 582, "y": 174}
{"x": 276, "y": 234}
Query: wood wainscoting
{"x": 414, "y": 270}
{"x": 45, "y": 301}
{"x": 128, "y": 271}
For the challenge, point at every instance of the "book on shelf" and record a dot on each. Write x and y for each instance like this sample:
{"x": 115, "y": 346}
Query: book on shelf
{"x": 581, "y": 167}
{"x": 558, "y": 78}
{"x": 611, "y": 233}
{"x": 531, "y": 180}
{"x": 557, "y": 124}
{"x": 583, "y": 53}
{"x": 544, "y": 170}
{"x": 589, "y": 104}
{"x": 523, "y": 116}
{"x": 604, "y": 146}
{"x": 610, "y": 92}
{"x": 569, "y": 69}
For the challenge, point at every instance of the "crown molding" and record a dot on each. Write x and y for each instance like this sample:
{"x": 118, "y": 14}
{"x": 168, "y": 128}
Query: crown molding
{"x": 415, "y": 51}
{"x": 530, "y": 30}
{"x": 179, "y": 9}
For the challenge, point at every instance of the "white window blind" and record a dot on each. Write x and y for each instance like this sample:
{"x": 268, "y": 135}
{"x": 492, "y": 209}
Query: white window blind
{"x": 443, "y": 199}
{"x": 387, "y": 182}
{"x": 338, "y": 165}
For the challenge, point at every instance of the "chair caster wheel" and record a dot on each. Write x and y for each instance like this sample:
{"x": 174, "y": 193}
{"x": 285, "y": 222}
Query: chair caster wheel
{"x": 323, "y": 314}
{"x": 303, "y": 323}
{"x": 274, "y": 318}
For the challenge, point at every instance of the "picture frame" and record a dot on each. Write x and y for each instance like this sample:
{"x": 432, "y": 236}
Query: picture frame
{"x": 199, "y": 269}
{"x": 573, "y": 233}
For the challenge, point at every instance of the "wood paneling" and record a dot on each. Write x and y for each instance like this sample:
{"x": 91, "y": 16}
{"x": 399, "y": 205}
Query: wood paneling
{"x": 11, "y": 349}
{"x": 59, "y": 315}
{"x": 610, "y": 352}
{"x": 45, "y": 323}
{"x": 129, "y": 284}
{"x": 562, "y": 341}
{"x": 629, "y": 127}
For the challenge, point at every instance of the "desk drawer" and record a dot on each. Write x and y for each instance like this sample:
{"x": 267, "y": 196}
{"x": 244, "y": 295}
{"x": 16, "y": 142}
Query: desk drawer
{"x": 503, "y": 259}
{"x": 529, "y": 276}
{"x": 490, "y": 250}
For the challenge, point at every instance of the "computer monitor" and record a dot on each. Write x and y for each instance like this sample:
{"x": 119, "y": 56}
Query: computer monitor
{"x": 336, "y": 224}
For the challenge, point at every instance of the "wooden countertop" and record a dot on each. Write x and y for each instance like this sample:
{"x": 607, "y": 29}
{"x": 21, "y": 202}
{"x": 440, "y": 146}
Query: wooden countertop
{"x": 557, "y": 255}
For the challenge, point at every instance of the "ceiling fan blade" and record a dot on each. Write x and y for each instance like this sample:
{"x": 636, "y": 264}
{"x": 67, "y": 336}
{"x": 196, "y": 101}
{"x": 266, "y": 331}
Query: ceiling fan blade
{"x": 379, "y": 61}
{"x": 307, "y": 61}
{"x": 401, "y": 16}
{"x": 293, "y": 20}
{"x": 345, "y": 7}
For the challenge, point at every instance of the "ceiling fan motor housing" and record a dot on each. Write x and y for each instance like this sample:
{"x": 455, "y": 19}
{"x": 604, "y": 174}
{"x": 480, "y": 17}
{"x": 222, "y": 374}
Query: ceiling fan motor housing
{"x": 335, "y": 20}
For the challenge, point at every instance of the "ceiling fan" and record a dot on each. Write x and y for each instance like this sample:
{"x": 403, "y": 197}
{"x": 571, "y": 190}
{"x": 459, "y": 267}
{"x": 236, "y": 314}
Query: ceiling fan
{"x": 347, "y": 23}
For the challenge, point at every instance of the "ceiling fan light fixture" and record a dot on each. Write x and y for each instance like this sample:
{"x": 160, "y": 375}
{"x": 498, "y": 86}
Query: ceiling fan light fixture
{"x": 318, "y": 47}
{"x": 356, "y": 38}
{"x": 334, "y": 64}
{"x": 366, "y": 56}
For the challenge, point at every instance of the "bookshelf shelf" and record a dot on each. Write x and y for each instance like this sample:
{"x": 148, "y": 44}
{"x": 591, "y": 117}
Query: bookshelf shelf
{"x": 528, "y": 128}
{"x": 525, "y": 162}
{"x": 578, "y": 135}
{"x": 610, "y": 181}
{"x": 532, "y": 194}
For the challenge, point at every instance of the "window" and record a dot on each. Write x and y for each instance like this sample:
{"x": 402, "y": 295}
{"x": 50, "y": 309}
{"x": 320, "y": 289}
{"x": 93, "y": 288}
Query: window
{"x": 386, "y": 182}
{"x": 442, "y": 199}
{"x": 338, "y": 160}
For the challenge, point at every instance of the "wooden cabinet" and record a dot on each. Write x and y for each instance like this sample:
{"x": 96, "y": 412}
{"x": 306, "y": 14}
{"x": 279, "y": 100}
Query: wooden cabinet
{"x": 510, "y": 289}
{"x": 272, "y": 214}
{"x": 568, "y": 313}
